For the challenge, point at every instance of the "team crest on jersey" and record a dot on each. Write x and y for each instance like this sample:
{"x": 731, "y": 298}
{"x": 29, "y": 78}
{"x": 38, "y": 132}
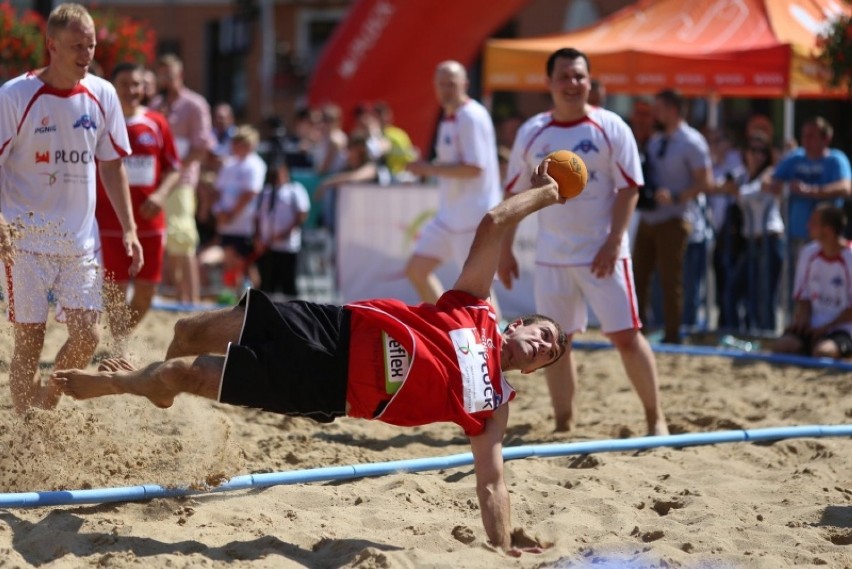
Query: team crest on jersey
{"x": 42, "y": 157}
{"x": 837, "y": 281}
{"x": 146, "y": 139}
{"x": 585, "y": 146}
{"x": 85, "y": 122}
{"x": 45, "y": 126}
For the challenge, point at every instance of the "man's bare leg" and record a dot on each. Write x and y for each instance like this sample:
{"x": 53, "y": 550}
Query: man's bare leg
{"x": 641, "y": 368}
{"x": 561, "y": 381}
{"x": 24, "y": 376}
{"x": 421, "y": 272}
{"x": 206, "y": 332}
{"x": 76, "y": 352}
{"x": 123, "y": 319}
{"x": 159, "y": 382}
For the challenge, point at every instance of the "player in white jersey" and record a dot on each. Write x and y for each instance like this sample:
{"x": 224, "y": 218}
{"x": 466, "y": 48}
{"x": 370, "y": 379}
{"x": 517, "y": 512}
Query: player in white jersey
{"x": 582, "y": 250}
{"x": 822, "y": 317}
{"x": 469, "y": 177}
{"x": 54, "y": 123}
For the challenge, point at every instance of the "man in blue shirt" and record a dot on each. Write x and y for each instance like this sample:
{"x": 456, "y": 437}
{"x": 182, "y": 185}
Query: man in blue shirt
{"x": 815, "y": 172}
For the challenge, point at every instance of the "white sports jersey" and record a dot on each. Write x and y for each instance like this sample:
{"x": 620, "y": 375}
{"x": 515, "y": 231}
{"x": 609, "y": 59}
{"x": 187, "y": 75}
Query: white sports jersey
{"x": 279, "y": 208}
{"x": 573, "y": 233}
{"x": 826, "y": 283}
{"x": 236, "y": 177}
{"x": 467, "y": 137}
{"x": 49, "y": 141}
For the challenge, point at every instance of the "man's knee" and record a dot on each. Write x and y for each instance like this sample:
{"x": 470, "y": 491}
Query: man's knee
{"x": 625, "y": 340}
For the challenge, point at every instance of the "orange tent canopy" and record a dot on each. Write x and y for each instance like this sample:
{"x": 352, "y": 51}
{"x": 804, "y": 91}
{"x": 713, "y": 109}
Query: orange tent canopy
{"x": 747, "y": 48}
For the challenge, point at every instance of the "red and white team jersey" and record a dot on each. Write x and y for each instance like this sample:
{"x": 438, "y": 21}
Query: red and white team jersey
{"x": 573, "y": 233}
{"x": 432, "y": 363}
{"x": 49, "y": 141}
{"x": 467, "y": 137}
{"x": 154, "y": 154}
{"x": 826, "y": 282}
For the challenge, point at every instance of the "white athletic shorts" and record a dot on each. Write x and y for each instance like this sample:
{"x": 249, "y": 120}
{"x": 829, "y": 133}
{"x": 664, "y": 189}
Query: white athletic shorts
{"x": 76, "y": 283}
{"x": 437, "y": 241}
{"x": 564, "y": 294}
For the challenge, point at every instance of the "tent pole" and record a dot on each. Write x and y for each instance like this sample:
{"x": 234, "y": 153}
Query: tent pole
{"x": 713, "y": 111}
{"x": 789, "y": 119}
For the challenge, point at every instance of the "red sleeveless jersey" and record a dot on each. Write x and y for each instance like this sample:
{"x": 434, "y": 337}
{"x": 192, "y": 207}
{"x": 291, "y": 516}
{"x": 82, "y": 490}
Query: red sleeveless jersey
{"x": 154, "y": 155}
{"x": 414, "y": 365}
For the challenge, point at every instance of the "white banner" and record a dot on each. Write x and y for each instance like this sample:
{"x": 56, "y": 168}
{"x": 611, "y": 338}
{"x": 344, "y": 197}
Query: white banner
{"x": 377, "y": 227}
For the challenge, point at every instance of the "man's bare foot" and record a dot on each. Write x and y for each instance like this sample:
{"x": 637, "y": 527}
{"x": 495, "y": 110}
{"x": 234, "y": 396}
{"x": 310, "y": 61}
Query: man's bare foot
{"x": 81, "y": 384}
{"x": 116, "y": 364}
{"x": 658, "y": 429}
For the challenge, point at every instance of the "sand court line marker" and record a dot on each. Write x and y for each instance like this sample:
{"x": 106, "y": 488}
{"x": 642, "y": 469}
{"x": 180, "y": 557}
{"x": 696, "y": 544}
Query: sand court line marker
{"x": 334, "y": 473}
{"x": 781, "y": 359}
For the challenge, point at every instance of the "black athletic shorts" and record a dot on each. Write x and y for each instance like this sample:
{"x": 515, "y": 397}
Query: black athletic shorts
{"x": 292, "y": 358}
{"x": 244, "y": 246}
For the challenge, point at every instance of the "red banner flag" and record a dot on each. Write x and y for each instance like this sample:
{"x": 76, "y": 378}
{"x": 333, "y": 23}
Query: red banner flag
{"x": 387, "y": 50}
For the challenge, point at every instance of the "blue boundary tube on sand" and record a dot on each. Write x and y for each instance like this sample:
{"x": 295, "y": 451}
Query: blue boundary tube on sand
{"x": 247, "y": 481}
{"x": 781, "y": 359}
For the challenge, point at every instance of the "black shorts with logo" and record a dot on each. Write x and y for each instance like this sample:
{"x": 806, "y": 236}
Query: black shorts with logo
{"x": 292, "y": 358}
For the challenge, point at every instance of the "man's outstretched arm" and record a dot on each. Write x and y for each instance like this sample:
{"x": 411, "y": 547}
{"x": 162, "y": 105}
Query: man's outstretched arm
{"x": 490, "y": 486}
{"x": 478, "y": 272}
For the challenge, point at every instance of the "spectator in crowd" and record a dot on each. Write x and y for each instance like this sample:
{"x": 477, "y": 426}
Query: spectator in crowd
{"x": 822, "y": 316}
{"x": 189, "y": 119}
{"x": 680, "y": 170}
{"x": 725, "y": 216}
{"x": 50, "y": 149}
{"x": 468, "y": 175}
{"x": 149, "y": 87}
{"x": 302, "y": 137}
{"x": 223, "y": 131}
{"x": 360, "y": 168}
{"x": 582, "y": 249}
{"x": 814, "y": 172}
{"x": 763, "y": 228}
{"x": 368, "y": 126}
{"x": 153, "y": 170}
{"x": 642, "y": 125}
{"x": 283, "y": 208}
{"x": 506, "y": 129}
{"x": 239, "y": 183}
{"x": 329, "y": 151}
{"x": 400, "y": 149}
{"x": 597, "y": 94}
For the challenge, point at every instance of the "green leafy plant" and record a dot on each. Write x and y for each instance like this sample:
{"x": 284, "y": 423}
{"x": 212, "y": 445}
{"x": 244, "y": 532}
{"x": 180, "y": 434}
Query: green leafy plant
{"x": 122, "y": 39}
{"x": 834, "y": 50}
{"x": 22, "y": 46}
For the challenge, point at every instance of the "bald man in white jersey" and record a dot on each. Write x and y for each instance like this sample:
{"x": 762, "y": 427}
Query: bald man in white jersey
{"x": 54, "y": 123}
{"x": 469, "y": 179}
{"x": 582, "y": 251}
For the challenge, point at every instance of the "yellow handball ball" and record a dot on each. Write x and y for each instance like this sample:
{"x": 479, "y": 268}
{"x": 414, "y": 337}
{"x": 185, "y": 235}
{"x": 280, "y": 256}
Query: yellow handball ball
{"x": 569, "y": 171}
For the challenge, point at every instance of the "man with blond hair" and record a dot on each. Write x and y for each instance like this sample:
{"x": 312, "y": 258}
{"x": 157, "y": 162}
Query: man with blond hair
{"x": 55, "y": 123}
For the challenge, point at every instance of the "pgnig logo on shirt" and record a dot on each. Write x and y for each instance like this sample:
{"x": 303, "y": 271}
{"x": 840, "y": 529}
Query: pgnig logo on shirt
{"x": 45, "y": 126}
{"x": 477, "y": 389}
{"x": 85, "y": 122}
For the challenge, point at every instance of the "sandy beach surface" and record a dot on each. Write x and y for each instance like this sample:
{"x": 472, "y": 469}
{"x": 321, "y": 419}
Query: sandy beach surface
{"x": 739, "y": 505}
